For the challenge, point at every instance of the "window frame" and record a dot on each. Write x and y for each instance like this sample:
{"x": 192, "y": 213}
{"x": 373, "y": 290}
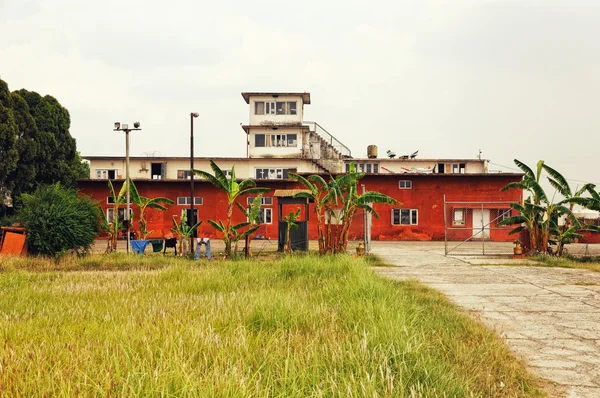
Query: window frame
{"x": 198, "y": 201}
{"x": 264, "y": 140}
{"x": 280, "y": 173}
{"x": 413, "y": 215}
{"x": 459, "y": 221}
{"x": 187, "y": 174}
{"x": 407, "y": 184}
{"x": 111, "y": 210}
{"x": 256, "y": 105}
{"x": 262, "y": 215}
{"x": 503, "y": 214}
{"x": 106, "y": 172}
{"x": 266, "y": 200}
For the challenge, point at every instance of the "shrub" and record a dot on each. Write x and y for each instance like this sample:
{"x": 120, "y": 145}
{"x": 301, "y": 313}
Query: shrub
{"x": 58, "y": 221}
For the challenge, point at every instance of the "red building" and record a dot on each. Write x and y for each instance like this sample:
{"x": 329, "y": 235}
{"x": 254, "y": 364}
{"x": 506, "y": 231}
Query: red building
{"x": 422, "y": 215}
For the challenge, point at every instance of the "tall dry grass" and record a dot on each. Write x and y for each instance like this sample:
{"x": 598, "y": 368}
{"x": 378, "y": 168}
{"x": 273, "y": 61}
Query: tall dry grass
{"x": 307, "y": 326}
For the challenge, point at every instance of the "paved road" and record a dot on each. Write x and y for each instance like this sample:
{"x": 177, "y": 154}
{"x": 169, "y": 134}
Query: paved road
{"x": 550, "y": 317}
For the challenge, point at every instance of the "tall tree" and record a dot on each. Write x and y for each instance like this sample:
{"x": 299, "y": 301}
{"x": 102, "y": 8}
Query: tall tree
{"x": 8, "y": 141}
{"x": 24, "y": 175}
{"x": 57, "y": 158}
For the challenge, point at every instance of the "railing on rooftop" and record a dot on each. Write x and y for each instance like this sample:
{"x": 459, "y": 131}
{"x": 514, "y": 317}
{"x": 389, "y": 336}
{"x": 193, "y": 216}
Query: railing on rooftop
{"x": 330, "y": 139}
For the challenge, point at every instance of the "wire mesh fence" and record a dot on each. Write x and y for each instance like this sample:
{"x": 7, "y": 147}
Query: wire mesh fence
{"x": 473, "y": 228}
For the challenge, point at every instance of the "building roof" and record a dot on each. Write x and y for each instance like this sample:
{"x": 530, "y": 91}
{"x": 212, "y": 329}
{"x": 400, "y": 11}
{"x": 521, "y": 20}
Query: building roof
{"x": 305, "y": 96}
{"x": 163, "y": 158}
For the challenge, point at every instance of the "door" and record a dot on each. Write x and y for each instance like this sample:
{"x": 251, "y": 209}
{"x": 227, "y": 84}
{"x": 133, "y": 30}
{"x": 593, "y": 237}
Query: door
{"x": 481, "y": 223}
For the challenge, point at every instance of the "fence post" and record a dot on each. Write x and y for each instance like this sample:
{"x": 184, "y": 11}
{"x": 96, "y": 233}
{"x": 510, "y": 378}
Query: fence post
{"x": 445, "y": 230}
{"x": 482, "y": 232}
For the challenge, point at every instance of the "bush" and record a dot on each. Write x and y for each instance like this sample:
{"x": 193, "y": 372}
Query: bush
{"x": 58, "y": 221}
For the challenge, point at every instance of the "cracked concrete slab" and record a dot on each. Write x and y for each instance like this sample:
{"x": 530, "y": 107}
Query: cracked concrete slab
{"x": 550, "y": 317}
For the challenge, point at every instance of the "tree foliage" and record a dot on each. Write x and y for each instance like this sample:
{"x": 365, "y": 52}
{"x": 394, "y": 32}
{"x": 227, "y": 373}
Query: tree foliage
{"x": 233, "y": 189}
{"x": 8, "y": 141}
{"x": 36, "y": 146}
{"x": 339, "y": 195}
{"x": 539, "y": 214}
{"x": 58, "y": 221}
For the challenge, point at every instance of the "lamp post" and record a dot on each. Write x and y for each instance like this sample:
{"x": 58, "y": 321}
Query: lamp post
{"x": 192, "y": 220}
{"x": 126, "y": 129}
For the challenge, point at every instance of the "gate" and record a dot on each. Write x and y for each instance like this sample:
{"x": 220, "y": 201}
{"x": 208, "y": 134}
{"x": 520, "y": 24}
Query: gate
{"x": 471, "y": 228}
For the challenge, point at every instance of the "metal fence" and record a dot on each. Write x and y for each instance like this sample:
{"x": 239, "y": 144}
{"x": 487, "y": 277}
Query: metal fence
{"x": 472, "y": 228}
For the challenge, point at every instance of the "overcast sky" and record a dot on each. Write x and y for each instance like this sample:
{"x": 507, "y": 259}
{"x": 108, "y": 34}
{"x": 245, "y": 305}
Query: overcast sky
{"x": 516, "y": 79}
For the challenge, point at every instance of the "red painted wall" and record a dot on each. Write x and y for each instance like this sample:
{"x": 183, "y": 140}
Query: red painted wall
{"x": 426, "y": 195}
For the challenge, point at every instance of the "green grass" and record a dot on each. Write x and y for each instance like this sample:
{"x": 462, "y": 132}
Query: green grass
{"x": 297, "y": 326}
{"x": 591, "y": 263}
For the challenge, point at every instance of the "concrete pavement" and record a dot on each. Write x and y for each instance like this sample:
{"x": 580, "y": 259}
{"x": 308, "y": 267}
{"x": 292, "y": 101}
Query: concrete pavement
{"x": 550, "y": 317}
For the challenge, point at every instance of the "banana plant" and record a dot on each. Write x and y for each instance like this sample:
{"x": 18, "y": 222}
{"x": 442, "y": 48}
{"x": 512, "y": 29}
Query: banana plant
{"x": 183, "y": 231}
{"x": 253, "y": 215}
{"x": 539, "y": 215}
{"x": 113, "y": 227}
{"x": 290, "y": 220}
{"x": 234, "y": 190}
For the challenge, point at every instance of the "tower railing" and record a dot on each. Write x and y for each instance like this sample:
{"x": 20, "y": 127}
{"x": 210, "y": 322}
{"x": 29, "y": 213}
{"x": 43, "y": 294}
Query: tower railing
{"x": 316, "y": 128}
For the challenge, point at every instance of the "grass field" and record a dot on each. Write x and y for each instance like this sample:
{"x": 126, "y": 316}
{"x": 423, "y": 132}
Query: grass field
{"x": 295, "y": 326}
{"x": 591, "y": 263}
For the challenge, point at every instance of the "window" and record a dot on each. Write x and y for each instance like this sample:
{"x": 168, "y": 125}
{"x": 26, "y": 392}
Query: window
{"x": 273, "y": 174}
{"x": 227, "y": 173}
{"x": 184, "y": 174}
{"x": 185, "y": 200}
{"x": 270, "y": 108}
{"x": 441, "y": 168}
{"x": 405, "y": 184}
{"x": 267, "y": 200}
{"x": 459, "y": 168}
{"x": 259, "y": 108}
{"x": 158, "y": 170}
{"x": 110, "y": 215}
{"x": 291, "y": 108}
{"x": 110, "y": 200}
{"x": 459, "y": 217}
{"x": 259, "y": 140}
{"x": 278, "y": 140}
{"x": 364, "y": 167}
{"x": 280, "y": 108}
{"x": 503, "y": 214}
{"x": 275, "y": 108}
{"x": 405, "y": 216}
{"x": 292, "y": 140}
{"x": 104, "y": 174}
{"x": 265, "y": 215}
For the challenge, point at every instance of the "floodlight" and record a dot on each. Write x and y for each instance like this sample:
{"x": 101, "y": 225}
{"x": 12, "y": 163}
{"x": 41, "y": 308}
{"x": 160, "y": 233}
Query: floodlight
{"x": 117, "y": 125}
{"x": 195, "y": 114}
{"x": 124, "y": 127}
{"x": 136, "y": 125}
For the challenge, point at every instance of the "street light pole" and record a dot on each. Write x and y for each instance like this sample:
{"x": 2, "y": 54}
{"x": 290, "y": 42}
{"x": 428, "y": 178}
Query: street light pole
{"x": 192, "y": 220}
{"x": 126, "y": 129}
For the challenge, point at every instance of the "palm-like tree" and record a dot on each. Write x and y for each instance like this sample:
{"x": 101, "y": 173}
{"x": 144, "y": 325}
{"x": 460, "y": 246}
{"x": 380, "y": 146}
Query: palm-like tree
{"x": 290, "y": 220}
{"x": 318, "y": 192}
{"x": 341, "y": 194}
{"x": 539, "y": 215}
{"x": 253, "y": 215}
{"x": 234, "y": 190}
{"x": 345, "y": 188}
{"x": 113, "y": 228}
